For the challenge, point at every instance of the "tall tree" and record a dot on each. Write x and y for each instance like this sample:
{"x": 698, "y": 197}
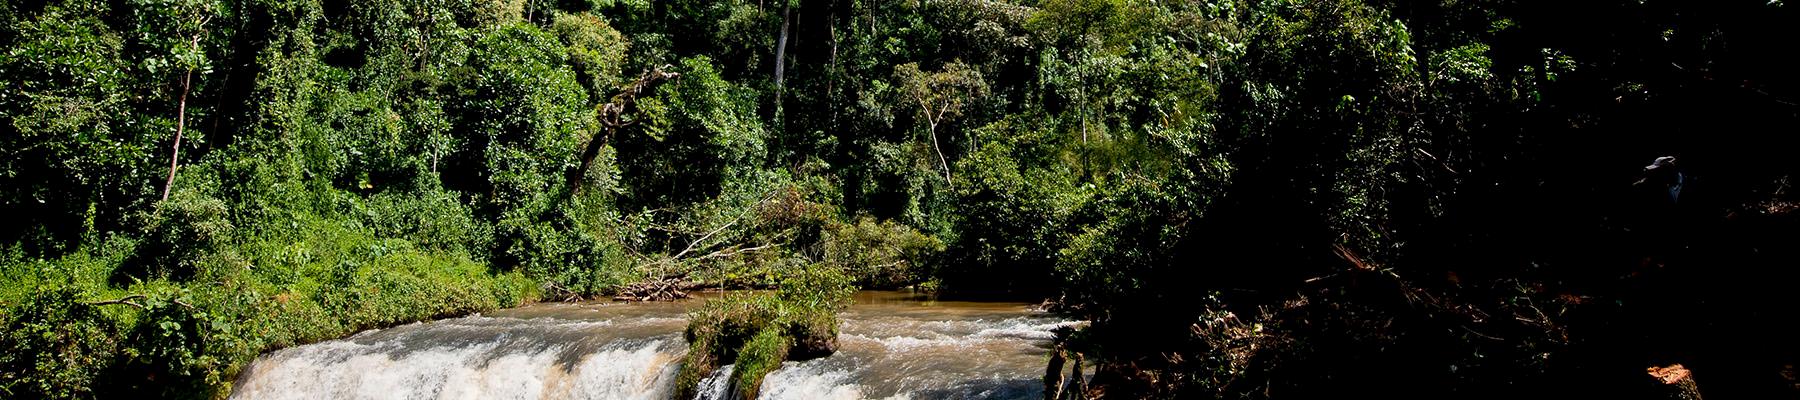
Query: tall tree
{"x": 191, "y": 19}
{"x": 940, "y": 96}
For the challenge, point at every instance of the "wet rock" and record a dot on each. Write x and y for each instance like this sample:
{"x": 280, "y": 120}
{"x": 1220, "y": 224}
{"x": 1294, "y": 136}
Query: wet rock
{"x": 811, "y": 347}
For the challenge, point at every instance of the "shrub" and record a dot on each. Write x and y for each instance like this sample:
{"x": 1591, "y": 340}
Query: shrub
{"x": 182, "y": 347}
{"x": 55, "y": 345}
{"x": 717, "y": 331}
{"x": 880, "y": 254}
{"x": 182, "y": 233}
{"x": 434, "y": 220}
{"x": 757, "y": 331}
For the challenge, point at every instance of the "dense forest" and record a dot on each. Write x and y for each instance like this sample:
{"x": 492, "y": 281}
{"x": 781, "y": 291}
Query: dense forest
{"x": 1246, "y": 198}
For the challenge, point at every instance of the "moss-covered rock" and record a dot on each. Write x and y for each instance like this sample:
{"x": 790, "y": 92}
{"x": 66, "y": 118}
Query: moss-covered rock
{"x": 761, "y": 355}
{"x": 758, "y": 331}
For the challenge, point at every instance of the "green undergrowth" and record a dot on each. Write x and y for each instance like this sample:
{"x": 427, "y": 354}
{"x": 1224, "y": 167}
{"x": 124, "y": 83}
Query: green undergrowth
{"x": 88, "y": 325}
{"x": 758, "y": 331}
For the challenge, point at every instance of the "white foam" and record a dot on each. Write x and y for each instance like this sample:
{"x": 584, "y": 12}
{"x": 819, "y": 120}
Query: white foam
{"x": 1024, "y": 329}
{"x": 645, "y": 372}
{"x": 347, "y": 370}
{"x": 636, "y": 357}
{"x": 716, "y": 386}
{"x": 807, "y": 381}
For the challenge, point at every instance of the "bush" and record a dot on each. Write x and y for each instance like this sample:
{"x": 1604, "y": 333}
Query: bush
{"x": 757, "y": 331}
{"x": 181, "y": 347}
{"x": 880, "y": 254}
{"x": 1014, "y": 199}
{"x": 817, "y": 287}
{"x": 71, "y": 335}
{"x": 183, "y": 232}
{"x": 717, "y": 331}
{"x": 434, "y": 220}
{"x": 697, "y": 138}
{"x": 55, "y": 345}
{"x": 1122, "y": 256}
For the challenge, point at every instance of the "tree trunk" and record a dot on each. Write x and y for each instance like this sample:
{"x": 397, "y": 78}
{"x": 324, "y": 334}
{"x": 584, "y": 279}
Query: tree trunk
{"x": 832, "y": 65}
{"x": 787, "y": 9}
{"x": 180, "y": 125}
{"x": 591, "y": 152}
{"x": 1053, "y": 374}
{"x": 187, "y": 79}
{"x": 1078, "y": 384}
{"x": 940, "y": 152}
{"x": 1081, "y": 75}
{"x": 612, "y": 117}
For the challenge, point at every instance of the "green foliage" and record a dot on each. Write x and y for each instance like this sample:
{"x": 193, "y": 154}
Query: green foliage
{"x": 880, "y": 254}
{"x": 901, "y": 181}
{"x": 760, "y": 355}
{"x": 1126, "y": 248}
{"x": 757, "y": 331}
{"x": 433, "y": 220}
{"x": 939, "y": 95}
{"x": 69, "y": 138}
{"x": 718, "y": 330}
{"x": 1013, "y": 208}
{"x": 817, "y": 287}
{"x": 529, "y": 113}
{"x": 595, "y": 50}
{"x": 317, "y": 280}
{"x": 55, "y": 345}
{"x": 699, "y": 138}
{"x": 1100, "y": 23}
{"x": 185, "y": 231}
{"x": 182, "y": 350}
{"x": 353, "y": 164}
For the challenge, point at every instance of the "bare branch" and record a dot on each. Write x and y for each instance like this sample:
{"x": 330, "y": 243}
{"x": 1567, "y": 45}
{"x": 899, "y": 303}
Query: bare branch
{"x": 733, "y": 252}
{"x": 721, "y": 228}
{"x": 122, "y": 300}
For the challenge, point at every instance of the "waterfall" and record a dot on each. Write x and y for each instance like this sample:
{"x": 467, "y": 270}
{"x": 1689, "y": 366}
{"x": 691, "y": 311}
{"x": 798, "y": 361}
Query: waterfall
{"x": 888, "y": 350}
{"x": 716, "y": 386}
{"x": 470, "y": 358}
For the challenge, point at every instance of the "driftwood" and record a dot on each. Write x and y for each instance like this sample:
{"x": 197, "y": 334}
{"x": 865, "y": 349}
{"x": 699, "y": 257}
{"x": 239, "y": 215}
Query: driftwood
{"x": 666, "y": 289}
{"x": 565, "y": 293}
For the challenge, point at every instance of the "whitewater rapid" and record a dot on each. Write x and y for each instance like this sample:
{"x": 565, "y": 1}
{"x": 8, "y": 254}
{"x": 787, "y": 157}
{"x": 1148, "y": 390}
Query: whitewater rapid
{"x": 891, "y": 346}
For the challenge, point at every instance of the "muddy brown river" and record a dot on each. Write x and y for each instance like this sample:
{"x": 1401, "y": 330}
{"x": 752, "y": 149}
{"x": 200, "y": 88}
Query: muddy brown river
{"x": 892, "y": 345}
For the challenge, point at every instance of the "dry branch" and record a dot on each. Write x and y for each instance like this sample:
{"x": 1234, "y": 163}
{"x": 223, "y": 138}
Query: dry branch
{"x": 122, "y": 300}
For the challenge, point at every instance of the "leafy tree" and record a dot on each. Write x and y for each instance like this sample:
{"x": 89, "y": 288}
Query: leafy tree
{"x": 940, "y": 97}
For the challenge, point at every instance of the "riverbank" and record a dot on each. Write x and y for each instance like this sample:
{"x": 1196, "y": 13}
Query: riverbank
{"x": 74, "y": 330}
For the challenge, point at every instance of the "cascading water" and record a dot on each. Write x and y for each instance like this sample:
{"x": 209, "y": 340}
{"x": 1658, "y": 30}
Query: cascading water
{"x": 892, "y": 345}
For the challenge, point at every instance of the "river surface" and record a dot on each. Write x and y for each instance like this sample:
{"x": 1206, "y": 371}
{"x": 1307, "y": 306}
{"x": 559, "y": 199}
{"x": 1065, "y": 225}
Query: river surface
{"x": 892, "y": 345}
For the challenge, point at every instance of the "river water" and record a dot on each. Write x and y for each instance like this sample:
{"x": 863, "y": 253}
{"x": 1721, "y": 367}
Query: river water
{"x": 892, "y": 345}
